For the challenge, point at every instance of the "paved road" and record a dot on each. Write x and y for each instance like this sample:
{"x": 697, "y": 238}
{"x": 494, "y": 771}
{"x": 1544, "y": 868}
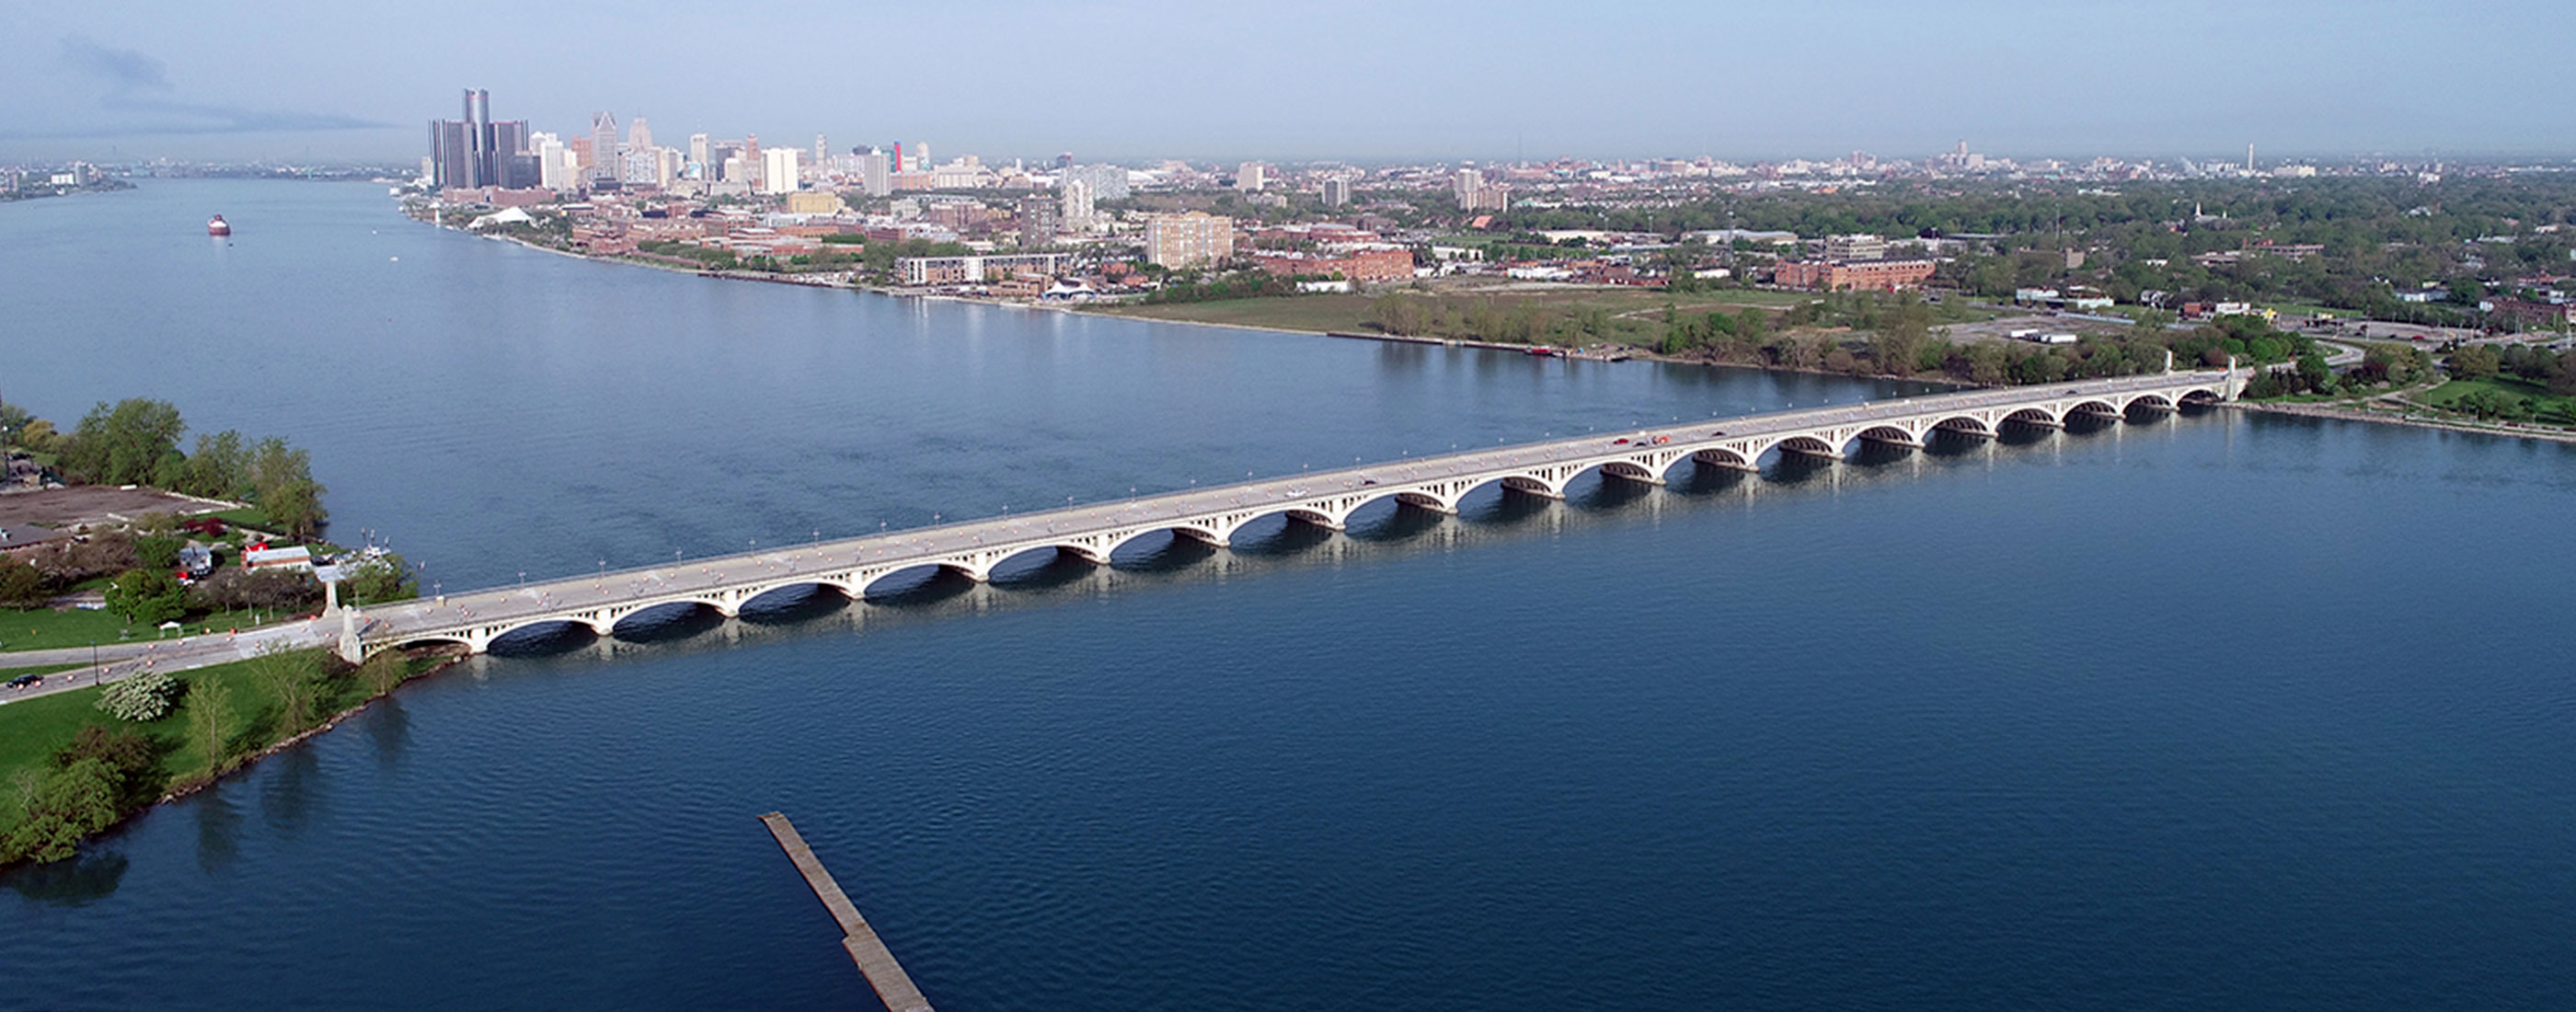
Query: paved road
{"x": 686, "y": 578}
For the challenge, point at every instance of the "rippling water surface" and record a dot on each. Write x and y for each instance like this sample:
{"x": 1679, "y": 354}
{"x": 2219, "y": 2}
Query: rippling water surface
{"x": 2204, "y": 712}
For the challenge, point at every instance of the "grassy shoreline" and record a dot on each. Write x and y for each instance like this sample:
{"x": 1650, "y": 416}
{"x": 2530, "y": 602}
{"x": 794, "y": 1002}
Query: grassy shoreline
{"x": 256, "y": 722}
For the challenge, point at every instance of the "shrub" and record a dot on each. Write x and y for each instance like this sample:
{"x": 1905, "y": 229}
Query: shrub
{"x": 142, "y": 698}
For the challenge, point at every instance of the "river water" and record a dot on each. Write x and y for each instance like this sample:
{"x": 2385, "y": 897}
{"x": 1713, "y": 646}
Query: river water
{"x": 2208, "y": 711}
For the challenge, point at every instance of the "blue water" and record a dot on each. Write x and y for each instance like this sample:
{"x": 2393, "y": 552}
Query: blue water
{"x": 2204, "y": 712}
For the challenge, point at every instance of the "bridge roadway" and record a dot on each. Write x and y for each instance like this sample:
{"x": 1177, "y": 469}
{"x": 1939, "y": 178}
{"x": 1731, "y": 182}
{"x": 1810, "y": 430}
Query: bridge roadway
{"x": 1213, "y": 514}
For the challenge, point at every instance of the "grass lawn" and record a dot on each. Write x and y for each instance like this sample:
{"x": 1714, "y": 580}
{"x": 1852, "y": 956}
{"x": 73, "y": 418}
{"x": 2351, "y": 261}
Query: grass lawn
{"x": 247, "y": 516}
{"x": 1636, "y": 313}
{"x": 45, "y": 628}
{"x": 32, "y": 730}
{"x": 2551, "y": 407}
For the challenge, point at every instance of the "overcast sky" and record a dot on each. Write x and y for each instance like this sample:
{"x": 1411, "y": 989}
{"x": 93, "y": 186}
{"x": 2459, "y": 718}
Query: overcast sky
{"x": 1289, "y": 80}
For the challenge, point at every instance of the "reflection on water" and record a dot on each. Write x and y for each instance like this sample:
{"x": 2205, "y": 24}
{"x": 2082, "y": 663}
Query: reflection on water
{"x": 388, "y": 728}
{"x": 290, "y": 789}
{"x": 219, "y": 828}
{"x": 85, "y": 879}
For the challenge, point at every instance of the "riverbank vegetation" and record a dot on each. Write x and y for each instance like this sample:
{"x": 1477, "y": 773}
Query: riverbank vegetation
{"x": 136, "y": 442}
{"x": 69, "y": 768}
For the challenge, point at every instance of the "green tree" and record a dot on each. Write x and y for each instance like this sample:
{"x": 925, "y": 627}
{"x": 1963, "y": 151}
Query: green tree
{"x": 288, "y": 673}
{"x": 2476, "y": 361}
{"x": 383, "y": 578}
{"x": 61, "y": 808}
{"x": 220, "y": 467}
{"x": 139, "y": 698}
{"x": 384, "y": 671}
{"x": 147, "y": 596}
{"x": 134, "y": 442}
{"x": 210, "y": 721}
{"x": 282, "y": 486}
{"x": 22, "y": 585}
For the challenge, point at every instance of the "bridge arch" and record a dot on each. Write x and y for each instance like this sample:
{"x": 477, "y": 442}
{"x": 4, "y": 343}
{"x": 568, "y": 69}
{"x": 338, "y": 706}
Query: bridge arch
{"x": 1721, "y": 457}
{"x": 1966, "y": 425}
{"x": 2036, "y": 415}
{"x": 1808, "y": 443}
{"x": 1196, "y": 532}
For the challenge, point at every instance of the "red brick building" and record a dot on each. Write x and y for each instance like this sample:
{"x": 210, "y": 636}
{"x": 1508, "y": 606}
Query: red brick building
{"x": 1370, "y": 265}
{"x": 1852, "y": 275}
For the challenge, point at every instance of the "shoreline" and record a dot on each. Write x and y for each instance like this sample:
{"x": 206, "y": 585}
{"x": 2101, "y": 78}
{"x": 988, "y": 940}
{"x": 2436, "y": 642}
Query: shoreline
{"x": 1634, "y": 353}
{"x": 2391, "y": 418}
{"x": 180, "y": 788}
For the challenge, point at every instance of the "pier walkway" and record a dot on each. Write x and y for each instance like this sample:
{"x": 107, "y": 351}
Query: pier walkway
{"x": 876, "y": 963}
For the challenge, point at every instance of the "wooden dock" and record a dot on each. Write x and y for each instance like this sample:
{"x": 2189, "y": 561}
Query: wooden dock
{"x": 894, "y": 987}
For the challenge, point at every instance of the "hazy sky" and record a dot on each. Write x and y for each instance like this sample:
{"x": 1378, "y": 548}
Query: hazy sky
{"x": 1131, "y": 79}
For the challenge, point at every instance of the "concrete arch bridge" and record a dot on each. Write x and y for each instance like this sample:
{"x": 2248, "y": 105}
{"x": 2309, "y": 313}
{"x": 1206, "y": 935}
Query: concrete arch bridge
{"x": 851, "y": 567}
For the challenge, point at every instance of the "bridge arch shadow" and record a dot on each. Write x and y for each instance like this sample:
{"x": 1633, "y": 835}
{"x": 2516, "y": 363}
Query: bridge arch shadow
{"x": 543, "y": 639}
{"x": 795, "y": 602}
{"x": 1161, "y": 551}
{"x": 1040, "y": 568}
{"x": 925, "y": 584}
{"x": 671, "y": 620}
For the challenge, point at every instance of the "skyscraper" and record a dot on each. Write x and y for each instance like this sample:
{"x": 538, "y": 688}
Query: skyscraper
{"x": 475, "y": 151}
{"x": 822, "y": 152}
{"x": 603, "y": 146}
{"x": 876, "y": 173}
{"x": 513, "y": 166}
{"x": 478, "y": 119}
{"x": 451, "y": 154}
{"x": 698, "y": 152}
{"x": 639, "y": 137}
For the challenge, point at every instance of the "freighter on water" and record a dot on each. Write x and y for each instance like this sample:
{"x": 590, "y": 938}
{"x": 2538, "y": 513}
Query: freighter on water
{"x": 218, "y": 226}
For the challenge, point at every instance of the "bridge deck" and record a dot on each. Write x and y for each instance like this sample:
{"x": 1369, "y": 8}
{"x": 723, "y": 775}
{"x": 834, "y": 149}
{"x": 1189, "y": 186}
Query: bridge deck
{"x": 1328, "y": 495}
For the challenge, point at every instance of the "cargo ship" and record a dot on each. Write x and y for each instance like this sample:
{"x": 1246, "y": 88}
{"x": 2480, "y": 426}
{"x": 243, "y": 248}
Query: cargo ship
{"x": 218, "y": 226}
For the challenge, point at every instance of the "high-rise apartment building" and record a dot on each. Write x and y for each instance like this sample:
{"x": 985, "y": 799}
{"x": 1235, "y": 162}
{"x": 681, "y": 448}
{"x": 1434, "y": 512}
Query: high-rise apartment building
{"x": 1039, "y": 221}
{"x": 1250, "y": 177}
{"x": 1076, "y": 213}
{"x": 822, "y": 152}
{"x": 778, "y": 170}
{"x": 1188, "y": 240}
{"x": 917, "y": 159}
{"x": 1337, "y": 191}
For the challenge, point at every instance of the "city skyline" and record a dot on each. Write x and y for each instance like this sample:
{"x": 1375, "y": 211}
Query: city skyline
{"x": 1334, "y": 81}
